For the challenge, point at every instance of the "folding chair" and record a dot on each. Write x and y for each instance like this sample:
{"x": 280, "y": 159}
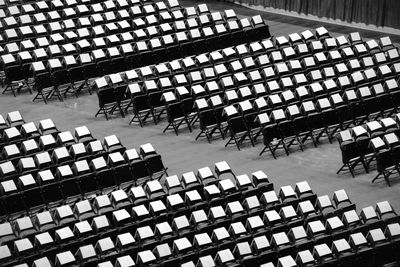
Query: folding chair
{"x": 322, "y": 33}
{"x": 355, "y": 107}
{"x": 77, "y": 81}
{"x": 30, "y": 192}
{"x": 43, "y": 85}
{"x": 270, "y": 133}
{"x": 157, "y": 104}
{"x": 285, "y": 131}
{"x": 61, "y": 84}
{"x": 362, "y": 138}
{"x": 84, "y": 177}
{"x": 386, "y": 165}
{"x": 89, "y": 71}
{"x": 50, "y": 188}
{"x": 300, "y": 132}
{"x": 15, "y": 79}
{"x": 104, "y": 175}
{"x": 329, "y": 117}
{"x": 13, "y": 201}
{"x": 137, "y": 166}
{"x": 175, "y": 113}
{"x": 208, "y": 121}
{"x": 68, "y": 183}
{"x": 260, "y": 28}
{"x": 141, "y": 109}
{"x": 350, "y": 153}
{"x": 187, "y": 103}
{"x": 107, "y": 102}
{"x": 153, "y": 161}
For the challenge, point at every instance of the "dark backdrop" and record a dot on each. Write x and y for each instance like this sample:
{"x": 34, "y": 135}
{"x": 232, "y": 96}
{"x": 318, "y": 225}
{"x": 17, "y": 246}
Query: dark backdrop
{"x": 377, "y": 12}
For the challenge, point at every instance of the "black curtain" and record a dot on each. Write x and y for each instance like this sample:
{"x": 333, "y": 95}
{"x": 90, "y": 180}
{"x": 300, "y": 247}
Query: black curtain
{"x": 376, "y": 12}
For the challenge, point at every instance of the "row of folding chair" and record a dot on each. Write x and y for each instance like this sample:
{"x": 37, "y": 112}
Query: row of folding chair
{"x": 332, "y": 114}
{"x": 183, "y": 111}
{"x": 361, "y": 144}
{"x": 317, "y": 89}
{"x": 46, "y": 133}
{"x": 240, "y": 86}
{"x": 341, "y": 68}
{"x": 95, "y": 7}
{"x": 25, "y": 131}
{"x": 141, "y": 57}
{"x": 384, "y": 103}
{"x": 46, "y": 4}
{"x": 119, "y": 65}
{"x": 220, "y": 238}
{"x": 29, "y": 132}
{"x": 154, "y": 191}
{"x": 95, "y": 26}
{"x": 42, "y": 10}
{"x": 55, "y": 51}
{"x": 183, "y": 249}
{"x": 101, "y": 206}
{"x": 46, "y": 153}
{"x": 301, "y": 47}
{"x": 386, "y": 154}
{"x": 29, "y": 38}
{"x": 174, "y": 206}
{"x": 112, "y": 34}
{"x": 71, "y": 19}
{"x": 327, "y": 40}
{"x": 48, "y": 189}
{"x": 231, "y": 54}
{"x": 221, "y": 169}
{"x": 165, "y": 84}
{"x": 82, "y": 39}
{"x": 45, "y": 157}
{"x": 185, "y": 71}
{"x": 375, "y": 101}
{"x": 36, "y": 145}
{"x": 271, "y": 69}
{"x": 58, "y": 48}
{"x": 246, "y": 253}
{"x": 65, "y": 183}
{"x": 57, "y": 34}
{"x": 13, "y": 119}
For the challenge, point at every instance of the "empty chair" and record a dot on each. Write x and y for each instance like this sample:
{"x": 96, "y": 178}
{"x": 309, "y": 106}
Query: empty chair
{"x": 104, "y": 175}
{"x": 83, "y": 135}
{"x": 175, "y": 113}
{"x": 350, "y": 153}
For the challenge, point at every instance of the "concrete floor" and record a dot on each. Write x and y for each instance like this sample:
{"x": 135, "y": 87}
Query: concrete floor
{"x": 182, "y": 153}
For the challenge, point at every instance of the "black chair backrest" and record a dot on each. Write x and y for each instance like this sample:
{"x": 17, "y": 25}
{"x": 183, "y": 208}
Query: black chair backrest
{"x": 106, "y": 96}
{"x": 269, "y": 133}
{"x": 60, "y": 77}
{"x": 119, "y": 92}
{"x": 207, "y": 118}
{"x": 349, "y": 151}
{"x": 90, "y": 71}
{"x": 175, "y": 111}
{"x": 140, "y": 102}
{"x": 77, "y": 73}
{"x": 43, "y": 80}
{"x": 237, "y": 124}
{"x": 155, "y": 99}
{"x": 14, "y": 73}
